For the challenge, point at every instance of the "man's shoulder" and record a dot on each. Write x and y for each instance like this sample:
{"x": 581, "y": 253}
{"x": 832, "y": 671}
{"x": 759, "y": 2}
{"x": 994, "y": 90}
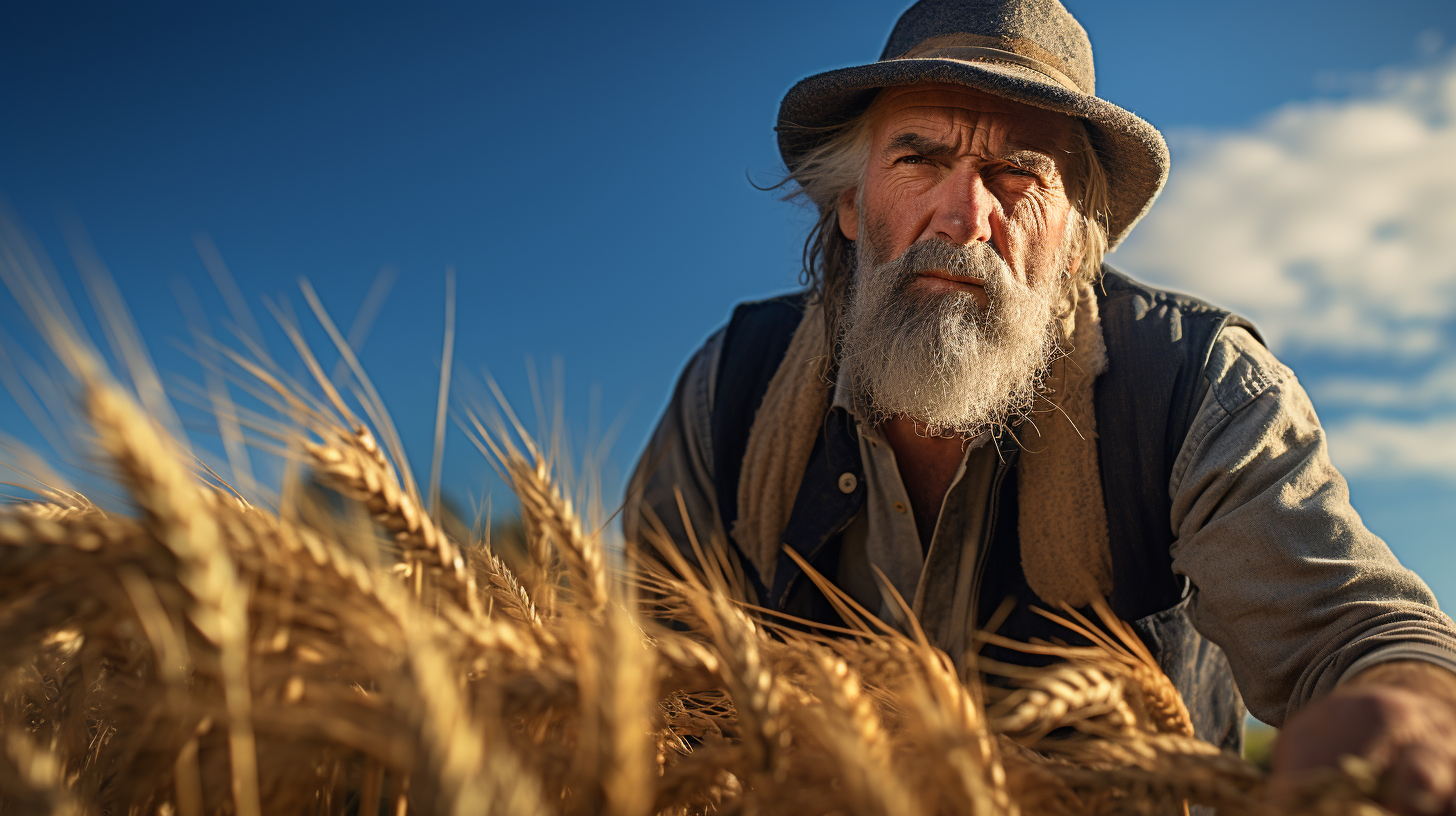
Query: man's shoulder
{"x": 1141, "y": 321}
{"x": 762, "y": 322}
{"x": 773, "y": 315}
{"x": 1241, "y": 369}
{"x": 1119, "y": 289}
{"x": 753, "y": 345}
{"x": 1159, "y": 345}
{"x": 757, "y": 338}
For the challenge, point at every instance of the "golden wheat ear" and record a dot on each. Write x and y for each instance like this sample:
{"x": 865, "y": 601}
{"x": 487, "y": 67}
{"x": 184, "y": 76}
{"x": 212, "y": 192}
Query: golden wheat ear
{"x": 552, "y": 515}
{"x": 1166, "y": 711}
{"x": 144, "y": 650}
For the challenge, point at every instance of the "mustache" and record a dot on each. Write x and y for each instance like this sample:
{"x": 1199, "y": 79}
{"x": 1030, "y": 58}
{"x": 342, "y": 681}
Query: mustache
{"x": 978, "y": 260}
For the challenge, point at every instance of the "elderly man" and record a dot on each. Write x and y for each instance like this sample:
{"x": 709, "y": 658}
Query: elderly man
{"x": 967, "y": 400}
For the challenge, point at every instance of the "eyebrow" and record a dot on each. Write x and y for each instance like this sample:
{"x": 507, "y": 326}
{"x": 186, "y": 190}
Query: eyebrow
{"x": 922, "y": 145}
{"x": 1032, "y": 160}
{"x": 1027, "y": 159}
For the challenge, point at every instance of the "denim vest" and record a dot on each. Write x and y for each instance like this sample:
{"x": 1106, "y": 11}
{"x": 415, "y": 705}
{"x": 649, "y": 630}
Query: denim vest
{"x": 1158, "y": 345}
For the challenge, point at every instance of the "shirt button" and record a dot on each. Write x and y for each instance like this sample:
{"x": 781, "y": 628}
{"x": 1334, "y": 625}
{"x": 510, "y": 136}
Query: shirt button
{"x": 847, "y": 482}
{"x": 899, "y": 507}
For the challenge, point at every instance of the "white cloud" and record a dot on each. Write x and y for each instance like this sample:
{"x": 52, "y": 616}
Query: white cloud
{"x": 1332, "y": 224}
{"x": 1380, "y": 447}
{"x": 1434, "y": 390}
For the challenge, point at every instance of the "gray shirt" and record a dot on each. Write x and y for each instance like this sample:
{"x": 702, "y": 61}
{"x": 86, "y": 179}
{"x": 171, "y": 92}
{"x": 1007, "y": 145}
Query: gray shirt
{"x": 1285, "y": 577}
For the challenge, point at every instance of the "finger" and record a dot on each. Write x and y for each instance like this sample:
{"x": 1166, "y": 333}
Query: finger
{"x": 1420, "y": 782}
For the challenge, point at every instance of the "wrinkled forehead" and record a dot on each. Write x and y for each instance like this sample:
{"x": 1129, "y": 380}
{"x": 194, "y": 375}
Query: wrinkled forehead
{"x": 954, "y": 110}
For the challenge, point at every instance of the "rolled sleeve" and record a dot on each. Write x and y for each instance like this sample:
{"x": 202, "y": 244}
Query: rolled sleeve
{"x": 1287, "y": 579}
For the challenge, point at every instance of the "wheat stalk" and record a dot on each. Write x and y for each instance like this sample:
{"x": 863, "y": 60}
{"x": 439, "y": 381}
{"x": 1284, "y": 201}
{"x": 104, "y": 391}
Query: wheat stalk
{"x": 357, "y": 467}
{"x": 204, "y": 654}
{"x": 553, "y": 519}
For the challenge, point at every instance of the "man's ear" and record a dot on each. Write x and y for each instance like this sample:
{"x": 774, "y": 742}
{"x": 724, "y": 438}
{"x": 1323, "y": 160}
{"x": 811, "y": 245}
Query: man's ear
{"x": 849, "y": 214}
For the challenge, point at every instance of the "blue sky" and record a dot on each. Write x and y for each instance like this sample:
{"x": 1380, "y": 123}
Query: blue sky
{"x": 586, "y": 170}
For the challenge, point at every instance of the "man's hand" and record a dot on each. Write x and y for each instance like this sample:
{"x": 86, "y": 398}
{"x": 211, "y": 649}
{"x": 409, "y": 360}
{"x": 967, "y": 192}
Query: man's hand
{"x": 1400, "y": 717}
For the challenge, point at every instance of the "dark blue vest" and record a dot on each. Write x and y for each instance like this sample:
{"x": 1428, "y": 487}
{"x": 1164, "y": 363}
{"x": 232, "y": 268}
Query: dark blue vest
{"x": 1158, "y": 345}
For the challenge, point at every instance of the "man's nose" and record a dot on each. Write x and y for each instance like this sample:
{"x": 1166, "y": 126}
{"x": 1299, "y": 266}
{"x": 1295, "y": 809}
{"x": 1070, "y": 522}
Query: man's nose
{"x": 963, "y": 208}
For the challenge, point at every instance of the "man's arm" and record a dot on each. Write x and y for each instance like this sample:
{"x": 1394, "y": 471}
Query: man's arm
{"x": 679, "y": 459}
{"x": 1287, "y": 579}
{"x": 1300, "y": 596}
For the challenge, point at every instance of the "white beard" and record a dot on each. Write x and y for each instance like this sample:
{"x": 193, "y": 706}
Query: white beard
{"x": 937, "y": 357}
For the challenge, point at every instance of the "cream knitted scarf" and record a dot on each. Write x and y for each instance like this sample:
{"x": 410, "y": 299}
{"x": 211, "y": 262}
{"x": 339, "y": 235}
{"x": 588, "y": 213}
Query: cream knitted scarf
{"x": 1062, "y": 523}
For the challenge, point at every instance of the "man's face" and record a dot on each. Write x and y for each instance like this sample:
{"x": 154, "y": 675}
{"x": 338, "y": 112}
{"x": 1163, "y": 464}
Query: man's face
{"x": 964, "y": 219}
{"x": 953, "y": 164}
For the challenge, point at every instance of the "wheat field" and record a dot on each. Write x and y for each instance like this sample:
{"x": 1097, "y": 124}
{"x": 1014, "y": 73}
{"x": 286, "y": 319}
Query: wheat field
{"x": 336, "y": 651}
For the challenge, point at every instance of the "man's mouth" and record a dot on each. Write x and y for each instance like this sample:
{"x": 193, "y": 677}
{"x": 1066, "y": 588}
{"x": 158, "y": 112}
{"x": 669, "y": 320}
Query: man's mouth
{"x": 958, "y": 280}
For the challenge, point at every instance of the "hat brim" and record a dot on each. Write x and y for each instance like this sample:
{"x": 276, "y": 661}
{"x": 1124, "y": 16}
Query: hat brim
{"x": 1132, "y": 151}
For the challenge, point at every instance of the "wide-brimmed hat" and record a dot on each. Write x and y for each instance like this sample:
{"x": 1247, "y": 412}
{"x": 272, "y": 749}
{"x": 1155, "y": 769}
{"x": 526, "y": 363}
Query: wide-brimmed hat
{"x": 1029, "y": 51}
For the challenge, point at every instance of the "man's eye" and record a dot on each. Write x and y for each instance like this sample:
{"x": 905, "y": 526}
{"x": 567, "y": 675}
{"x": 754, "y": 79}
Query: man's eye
{"x": 911, "y": 159}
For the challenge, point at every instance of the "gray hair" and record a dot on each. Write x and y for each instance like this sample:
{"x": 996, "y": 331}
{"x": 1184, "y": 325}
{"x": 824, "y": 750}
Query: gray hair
{"x": 837, "y": 165}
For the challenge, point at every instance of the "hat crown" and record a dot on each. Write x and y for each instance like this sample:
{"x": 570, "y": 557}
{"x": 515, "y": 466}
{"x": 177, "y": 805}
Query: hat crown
{"x": 1027, "y": 51}
{"x": 1041, "y": 30}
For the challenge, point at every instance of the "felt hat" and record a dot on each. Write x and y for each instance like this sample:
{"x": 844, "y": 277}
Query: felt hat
{"x": 1029, "y": 51}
